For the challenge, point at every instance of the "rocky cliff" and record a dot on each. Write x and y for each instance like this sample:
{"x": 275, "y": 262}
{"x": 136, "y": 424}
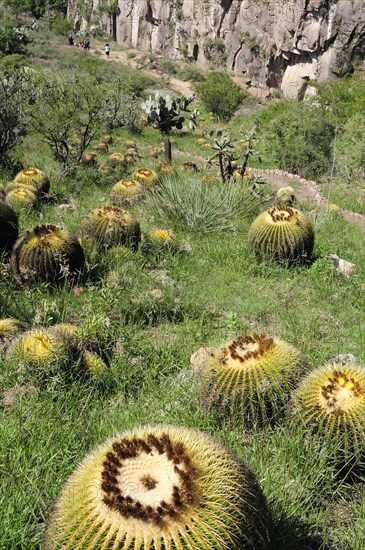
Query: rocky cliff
{"x": 280, "y": 43}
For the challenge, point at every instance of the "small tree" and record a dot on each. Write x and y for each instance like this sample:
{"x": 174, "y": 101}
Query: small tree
{"x": 220, "y": 94}
{"x": 67, "y": 114}
{"x": 12, "y": 124}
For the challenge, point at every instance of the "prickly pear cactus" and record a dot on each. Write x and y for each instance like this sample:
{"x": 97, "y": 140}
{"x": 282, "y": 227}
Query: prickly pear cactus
{"x": 47, "y": 253}
{"x": 160, "y": 487}
{"x": 331, "y": 401}
{"x": 126, "y": 191}
{"x": 8, "y": 227}
{"x": 110, "y": 226}
{"x": 163, "y": 112}
{"x": 252, "y": 375}
{"x": 282, "y": 234}
{"x": 35, "y": 177}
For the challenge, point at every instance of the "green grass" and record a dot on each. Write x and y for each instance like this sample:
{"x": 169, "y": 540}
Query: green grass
{"x": 145, "y": 318}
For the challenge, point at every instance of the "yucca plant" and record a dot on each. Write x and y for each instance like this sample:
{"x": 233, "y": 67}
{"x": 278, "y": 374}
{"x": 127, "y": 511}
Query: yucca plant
{"x": 159, "y": 487}
{"x": 196, "y": 205}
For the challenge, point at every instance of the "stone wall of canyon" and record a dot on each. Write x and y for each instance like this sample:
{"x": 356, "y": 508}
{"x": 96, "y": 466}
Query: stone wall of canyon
{"x": 279, "y": 43}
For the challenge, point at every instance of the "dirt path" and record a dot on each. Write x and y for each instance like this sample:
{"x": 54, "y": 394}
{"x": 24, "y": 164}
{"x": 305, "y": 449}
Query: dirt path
{"x": 179, "y": 86}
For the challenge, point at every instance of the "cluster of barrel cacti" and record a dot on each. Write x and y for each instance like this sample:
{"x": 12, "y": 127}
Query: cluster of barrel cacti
{"x": 261, "y": 378}
{"x": 27, "y": 189}
{"x": 49, "y": 350}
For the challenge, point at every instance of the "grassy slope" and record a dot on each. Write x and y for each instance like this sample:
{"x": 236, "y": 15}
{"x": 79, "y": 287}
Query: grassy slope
{"x": 221, "y": 291}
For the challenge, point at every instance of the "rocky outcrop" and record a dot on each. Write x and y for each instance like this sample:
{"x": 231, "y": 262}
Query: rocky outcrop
{"x": 280, "y": 43}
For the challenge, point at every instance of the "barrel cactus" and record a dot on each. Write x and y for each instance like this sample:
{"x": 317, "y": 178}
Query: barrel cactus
{"x": 281, "y": 234}
{"x": 42, "y": 348}
{"x": 286, "y": 196}
{"x": 146, "y": 176}
{"x": 22, "y": 198}
{"x": 110, "y": 226}
{"x": 252, "y": 375}
{"x": 126, "y": 191}
{"x": 47, "y": 253}
{"x": 160, "y": 241}
{"x": 10, "y": 327}
{"x": 93, "y": 363}
{"x": 8, "y": 227}
{"x": 159, "y": 487}
{"x": 35, "y": 177}
{"x": 331, "y": 401}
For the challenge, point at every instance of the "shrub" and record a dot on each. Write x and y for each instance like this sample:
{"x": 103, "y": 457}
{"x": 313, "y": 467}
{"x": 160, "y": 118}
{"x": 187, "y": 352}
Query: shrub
{"x": 12, "y": 40}
{"x": 220, "y": 94}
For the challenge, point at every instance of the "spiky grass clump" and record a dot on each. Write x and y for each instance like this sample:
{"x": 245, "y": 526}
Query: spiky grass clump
{"x": 126, "y": 191}
{"x": 10, "y": 327}
{"x": 22, "y": 198}
{"x": 252, "y": 375}
{"x": 331, "y": 401}
{"x": 159, "y": 487}
{"x": 145, "y": 176}
{"x": 47, "y": 253}
{"x": 111, "y": 226}
{"x": 199, "y": 206}
{"x": 35, "y": 177}
{"x": 8, "y": 227}
{"x": 282, "y": 234}
{"x": 285, "y": 196}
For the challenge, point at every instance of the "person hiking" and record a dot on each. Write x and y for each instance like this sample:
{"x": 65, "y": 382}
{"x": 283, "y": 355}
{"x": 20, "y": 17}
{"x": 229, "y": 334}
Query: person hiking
{"x": 71, "y": 40}
{"x": 87, "y": 44}
{"x": 107, "y": 50}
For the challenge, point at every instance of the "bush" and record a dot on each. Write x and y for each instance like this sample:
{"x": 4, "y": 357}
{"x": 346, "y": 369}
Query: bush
{"x": 220, "y": 94}
{"x": 61, "y": 25}
{"x": 297, "y": 137}
{"x": 12, "y": 40}
{"x": 190, "y": 72}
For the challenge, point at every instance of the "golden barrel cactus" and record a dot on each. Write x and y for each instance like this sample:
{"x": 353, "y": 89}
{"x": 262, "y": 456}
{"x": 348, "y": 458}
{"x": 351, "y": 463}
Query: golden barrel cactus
{"x": 8, "y": 227}
{"x": 126, "y": 191}
{"x": 331, "y": 401}
{"x": 22, "y": 198}
{"x": 146, "y": 176}
{"x": 40, "y": 348}
{"x": 160, "y": 487}
{"x": 281, "y": 234}
{"x": 35, "y": 177}
{"x": 47, "y": 253}
{"x": 252, "y": 375}
{"x": 110, "y": 226}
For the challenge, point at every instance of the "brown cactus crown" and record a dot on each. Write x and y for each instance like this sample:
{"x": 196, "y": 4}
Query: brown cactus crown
{"x": 150, "y": 479}
{"x": 281, "y": 214}
{"x": 246, "y": 347}
{"x": 340, "y": 392}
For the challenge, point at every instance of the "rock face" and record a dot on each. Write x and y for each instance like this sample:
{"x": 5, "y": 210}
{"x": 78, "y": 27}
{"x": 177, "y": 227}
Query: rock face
{"x": 280, "y": 43}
